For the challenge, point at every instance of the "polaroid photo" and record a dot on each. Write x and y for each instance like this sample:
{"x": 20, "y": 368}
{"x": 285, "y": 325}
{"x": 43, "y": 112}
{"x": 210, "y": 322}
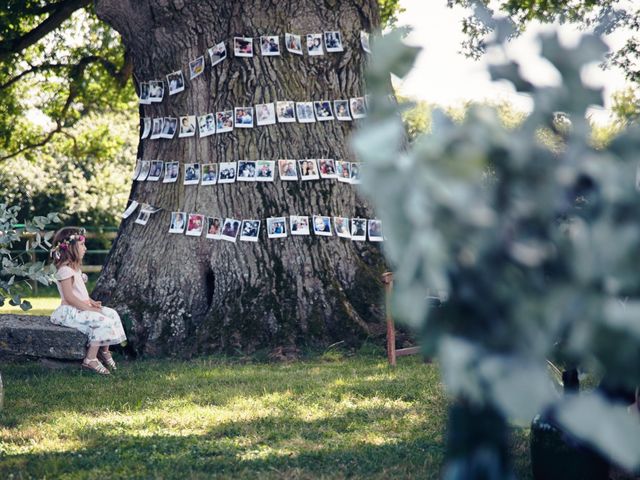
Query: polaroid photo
{"x": 230, "y": 230}
{"x": 214, "y": 228}
{"x": 341, "y": 108}
{"x": 287, "y": 170}
{"x": 144, "y": 171}
{"x": 156, "y": 130}
{"x": 151, "y": 209}
{"x": 196, "y": 67}
{"x": 209, "y": 174}
{"x": 304, "y": 111}
{"x": 246, "y": 171}
{"x": 265, "y": 114}
{"x": 130, "y": 209}
{"x": 375, "y": 231}
{"x": 293, "y": 43}
{"x": 243, "y": 117}
{"x": 224, "y": 121}
{"x": 243, "y": 46}
{"x": 143, "y": 217}
{"x": 355, "y": 173}
{"x": 323, "y": 111}
{"x": 308, "y": 170}
{"x": 364, "y": 41}
{"x": 286, "y": 111}
{"x": 358, "y": 229}
{"x": 171, "y": 172}
{"x": 195, "y": 225}
{"x": 270, "y": 45}
{"x": 277, "y": 227}
{"x": 358, "y": 108}
{"x": 146, "y": 128}
{"x": 155, "y": 172}
{"x": 178, "y": 222}
{"x": 136, "y": 171}
{"x": 175, "y": 81}
{"x": 322, "y": 226}
{"x": 341, "y": 225}
{"x": 343, "y": 170}
{"x": 265, "y": 170}
{"x": 314, "y": 44}
{"x": 299, "y": 225}
{"x": 250, "y": 230}
{"x": 327, "y": 168}
{"x": 227, "y": 172}
{"x": 217, "y": 53}
{"x": 206, "y": 125}
{"x": 333, "y": 42}
{"x": 144, "y": 94}
{"x": 156, "y": 91}
{"x": 169, "y": 127}
{"x": 192, "y": 173}
{"x": 187, "y": 126}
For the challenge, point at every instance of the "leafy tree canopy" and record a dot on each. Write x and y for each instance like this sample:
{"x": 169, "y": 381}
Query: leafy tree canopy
{"x": 603, "y": 16}
{"x": 60, "y": 63}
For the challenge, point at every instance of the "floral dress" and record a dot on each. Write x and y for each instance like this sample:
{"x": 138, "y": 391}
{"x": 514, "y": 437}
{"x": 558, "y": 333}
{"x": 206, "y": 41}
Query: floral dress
{"x": 102, "y": 328}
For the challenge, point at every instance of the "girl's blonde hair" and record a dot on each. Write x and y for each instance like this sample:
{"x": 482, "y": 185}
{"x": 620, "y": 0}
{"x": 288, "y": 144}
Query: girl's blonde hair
{"x": 65, "y": 249}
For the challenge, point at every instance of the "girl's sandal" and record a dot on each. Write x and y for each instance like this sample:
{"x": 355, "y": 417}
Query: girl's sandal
{"x": 95, "y": 366}
{"x": 107, "y": 359}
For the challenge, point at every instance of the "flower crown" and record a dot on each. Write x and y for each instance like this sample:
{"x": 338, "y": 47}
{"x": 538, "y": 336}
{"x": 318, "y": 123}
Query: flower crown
{"x": 63, "y": 245}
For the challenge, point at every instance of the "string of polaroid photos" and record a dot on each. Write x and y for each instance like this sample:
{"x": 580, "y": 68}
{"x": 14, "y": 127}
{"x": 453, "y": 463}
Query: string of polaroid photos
{"x": 229, "y": 229}
{"x": 249, "y": 171}
{"x": 246, "y": 117}
{"x": 152, "y": 91}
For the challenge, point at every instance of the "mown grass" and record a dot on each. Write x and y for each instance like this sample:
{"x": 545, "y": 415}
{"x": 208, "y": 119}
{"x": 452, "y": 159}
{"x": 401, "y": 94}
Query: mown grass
{"x": 217, "y": 418}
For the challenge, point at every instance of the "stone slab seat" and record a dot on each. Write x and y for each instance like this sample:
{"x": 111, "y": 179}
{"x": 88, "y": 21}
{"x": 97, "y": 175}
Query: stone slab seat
{"x": 36, "y": 336}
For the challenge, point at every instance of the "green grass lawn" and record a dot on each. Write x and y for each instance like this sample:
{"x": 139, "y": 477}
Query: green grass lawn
{"x": 321, "y": 418}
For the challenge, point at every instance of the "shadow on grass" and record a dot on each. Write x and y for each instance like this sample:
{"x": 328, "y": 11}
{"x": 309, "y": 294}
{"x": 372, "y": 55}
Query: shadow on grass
{"x": 141, "y": 385}
{"x": 224, "y": 451}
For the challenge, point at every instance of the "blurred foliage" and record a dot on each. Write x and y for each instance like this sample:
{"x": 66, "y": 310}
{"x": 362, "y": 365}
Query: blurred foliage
{"x": 15, "y": 269}
{"x": 626, "y": 105}
{"x": 417, "y": 115}
{"x": 536, "y": 260}
{"x": 389, "y": 10}
{"x": 87, "y": 175}
{"x": 601, "y": 16}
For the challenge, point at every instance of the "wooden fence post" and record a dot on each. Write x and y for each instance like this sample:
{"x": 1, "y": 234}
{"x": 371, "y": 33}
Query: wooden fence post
{"x": 387, "y": 280}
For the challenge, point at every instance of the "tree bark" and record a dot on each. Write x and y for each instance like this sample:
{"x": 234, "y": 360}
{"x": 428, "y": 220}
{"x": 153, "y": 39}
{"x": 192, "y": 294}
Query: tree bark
{"x": 182, "y": 295}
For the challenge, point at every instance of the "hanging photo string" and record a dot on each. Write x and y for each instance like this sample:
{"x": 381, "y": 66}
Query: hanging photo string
{"x": 229, "y": 228}
{"x": 261, "y": 115}
{"x": 152, "y": 91}
{"x": 249, "y": 171}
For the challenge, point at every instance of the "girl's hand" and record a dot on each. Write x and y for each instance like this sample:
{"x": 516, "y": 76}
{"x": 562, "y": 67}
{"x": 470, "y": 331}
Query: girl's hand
{"x": 95, "y": 304}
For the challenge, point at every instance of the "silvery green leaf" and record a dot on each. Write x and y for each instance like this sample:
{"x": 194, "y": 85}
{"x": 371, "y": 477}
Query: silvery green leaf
{"x": 392, "y": 55}
{"x": 459, "y": 358}
{"x": 380, "y": 144}
{"x": 520, "y": 388}
{"x": 510, "y": 71}
{"x": 608, "y": 427}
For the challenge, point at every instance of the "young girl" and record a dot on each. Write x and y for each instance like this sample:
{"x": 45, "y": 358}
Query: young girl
{"x": 101, "y": 324}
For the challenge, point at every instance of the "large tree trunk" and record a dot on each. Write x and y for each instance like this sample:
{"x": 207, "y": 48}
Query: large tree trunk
{"x": 180, "y": 295}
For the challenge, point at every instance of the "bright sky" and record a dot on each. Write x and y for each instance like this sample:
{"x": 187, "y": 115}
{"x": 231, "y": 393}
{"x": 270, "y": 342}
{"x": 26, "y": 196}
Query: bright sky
{"x": 446, "y": 77}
